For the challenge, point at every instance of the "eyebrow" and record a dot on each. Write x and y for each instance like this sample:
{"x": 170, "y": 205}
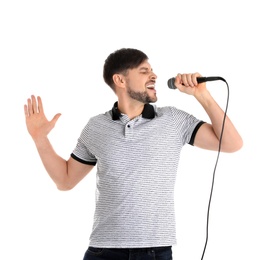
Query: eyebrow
{"x": 145, "y": 68}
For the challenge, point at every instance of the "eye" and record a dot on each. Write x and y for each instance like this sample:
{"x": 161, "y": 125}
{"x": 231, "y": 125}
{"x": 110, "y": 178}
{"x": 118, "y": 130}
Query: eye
{"x": 144, "y": 72}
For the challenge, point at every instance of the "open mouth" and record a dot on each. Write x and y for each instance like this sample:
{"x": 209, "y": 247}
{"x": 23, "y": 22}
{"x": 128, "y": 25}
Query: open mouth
{"x": 152, "y": 86}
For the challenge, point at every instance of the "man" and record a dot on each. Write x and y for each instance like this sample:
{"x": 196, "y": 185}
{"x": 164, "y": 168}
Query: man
{"x": 136, "y": 147}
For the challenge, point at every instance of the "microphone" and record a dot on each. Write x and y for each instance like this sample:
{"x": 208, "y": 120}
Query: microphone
{"x": 171, "y": 81}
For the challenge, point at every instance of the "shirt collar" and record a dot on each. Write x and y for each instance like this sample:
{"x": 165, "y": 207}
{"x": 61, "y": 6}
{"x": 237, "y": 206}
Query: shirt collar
{"x": 148, "y": 112}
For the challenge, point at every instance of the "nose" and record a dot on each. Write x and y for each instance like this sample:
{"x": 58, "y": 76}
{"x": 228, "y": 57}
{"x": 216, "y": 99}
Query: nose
{"x": 153, "y": 75}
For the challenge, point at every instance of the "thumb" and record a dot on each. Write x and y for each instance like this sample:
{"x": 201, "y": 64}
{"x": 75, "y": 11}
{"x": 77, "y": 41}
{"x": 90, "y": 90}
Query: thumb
{"x": 55, "y": 118}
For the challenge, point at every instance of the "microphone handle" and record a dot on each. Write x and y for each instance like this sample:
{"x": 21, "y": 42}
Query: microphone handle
{"x": 171, "y": 81}
{"x": 205, "y": 79}
{"x": 201, "y": 79}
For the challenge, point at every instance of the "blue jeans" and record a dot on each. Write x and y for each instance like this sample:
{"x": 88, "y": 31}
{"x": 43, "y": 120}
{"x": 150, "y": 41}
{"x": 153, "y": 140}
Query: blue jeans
{"x": 155, "y": 253}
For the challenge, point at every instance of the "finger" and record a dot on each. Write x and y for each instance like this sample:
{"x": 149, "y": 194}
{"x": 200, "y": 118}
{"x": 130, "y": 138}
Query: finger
{"x": 190, "y": 80}
{"x": 30, "y": 111}
{"x": 55, "y": 118}
{"x": 34, "y": 104}
{"x": 194, "y": 78}
{"x": 26, "y": 111}
{"x": 178, "y": 79}
{"x": 40, "y": 106}
{"x": 184, "y": 80}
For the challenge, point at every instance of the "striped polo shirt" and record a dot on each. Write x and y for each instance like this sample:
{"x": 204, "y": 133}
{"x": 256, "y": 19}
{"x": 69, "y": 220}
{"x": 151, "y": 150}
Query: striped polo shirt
{"x": 137, "y": 162}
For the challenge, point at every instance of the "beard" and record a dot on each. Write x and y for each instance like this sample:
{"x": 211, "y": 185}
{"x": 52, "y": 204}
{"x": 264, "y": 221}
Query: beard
{"x": 143, "y": 97}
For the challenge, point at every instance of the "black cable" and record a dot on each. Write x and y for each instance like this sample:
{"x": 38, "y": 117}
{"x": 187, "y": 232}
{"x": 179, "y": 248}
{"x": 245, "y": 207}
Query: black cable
{"x": 218, "y": 154}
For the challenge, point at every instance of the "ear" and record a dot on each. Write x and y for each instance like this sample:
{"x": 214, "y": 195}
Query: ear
{"x": 119, "y": 80}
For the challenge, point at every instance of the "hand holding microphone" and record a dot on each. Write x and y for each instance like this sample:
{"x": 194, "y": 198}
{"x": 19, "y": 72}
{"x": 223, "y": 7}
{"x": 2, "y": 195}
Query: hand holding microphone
{"x": 190, "y": 80}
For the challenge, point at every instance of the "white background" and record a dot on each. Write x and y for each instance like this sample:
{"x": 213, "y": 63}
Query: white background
{"x": 56, "y": 49}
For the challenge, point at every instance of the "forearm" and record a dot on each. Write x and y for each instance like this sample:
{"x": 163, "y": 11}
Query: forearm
{"x": 55, "y": 165}
{"x": 231, "y": 140}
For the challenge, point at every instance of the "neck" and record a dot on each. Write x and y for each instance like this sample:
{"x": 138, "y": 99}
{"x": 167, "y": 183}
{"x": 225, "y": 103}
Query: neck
{"x": 132, "y": 109}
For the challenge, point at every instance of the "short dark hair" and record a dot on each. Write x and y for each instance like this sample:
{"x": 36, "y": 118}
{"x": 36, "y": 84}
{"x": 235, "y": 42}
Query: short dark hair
{"x": 120, "y": 61}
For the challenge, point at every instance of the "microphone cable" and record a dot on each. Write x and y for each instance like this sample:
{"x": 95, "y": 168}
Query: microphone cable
{"x": 213, "y": 178}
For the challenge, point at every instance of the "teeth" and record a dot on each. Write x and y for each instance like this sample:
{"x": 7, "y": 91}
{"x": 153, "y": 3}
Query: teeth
{"x": 151, "y": 86}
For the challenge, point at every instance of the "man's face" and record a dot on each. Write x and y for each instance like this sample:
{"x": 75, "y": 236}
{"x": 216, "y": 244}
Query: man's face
{"x": 140, "y": 83}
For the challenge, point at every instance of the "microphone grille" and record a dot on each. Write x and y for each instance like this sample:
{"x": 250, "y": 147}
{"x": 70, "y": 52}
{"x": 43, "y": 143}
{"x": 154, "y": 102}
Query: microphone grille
{"x": 171, "y": 84}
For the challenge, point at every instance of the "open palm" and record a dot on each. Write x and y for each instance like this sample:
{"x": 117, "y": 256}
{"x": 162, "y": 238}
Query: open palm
{"x": 36, "y": 121}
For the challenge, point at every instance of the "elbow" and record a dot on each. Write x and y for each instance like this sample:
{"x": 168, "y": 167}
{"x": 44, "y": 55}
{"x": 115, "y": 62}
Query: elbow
{"x": 235, "y": 147}
{"x": 64, "y": 187}
{"x": 239, "y": 145}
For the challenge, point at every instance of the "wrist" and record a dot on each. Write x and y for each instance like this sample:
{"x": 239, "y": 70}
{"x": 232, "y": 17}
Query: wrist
{"x": 204, "y": 98}
{"x": 41, "y": 141}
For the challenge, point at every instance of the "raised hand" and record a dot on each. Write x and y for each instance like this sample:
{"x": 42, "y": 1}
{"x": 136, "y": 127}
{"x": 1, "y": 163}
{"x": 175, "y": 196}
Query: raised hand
{"x": 37, "y": 124}
{"x": 188, "y": 84}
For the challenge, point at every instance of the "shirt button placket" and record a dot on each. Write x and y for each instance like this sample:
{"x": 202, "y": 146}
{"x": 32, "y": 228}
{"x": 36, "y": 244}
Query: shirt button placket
{"x": 128, "y": 130}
